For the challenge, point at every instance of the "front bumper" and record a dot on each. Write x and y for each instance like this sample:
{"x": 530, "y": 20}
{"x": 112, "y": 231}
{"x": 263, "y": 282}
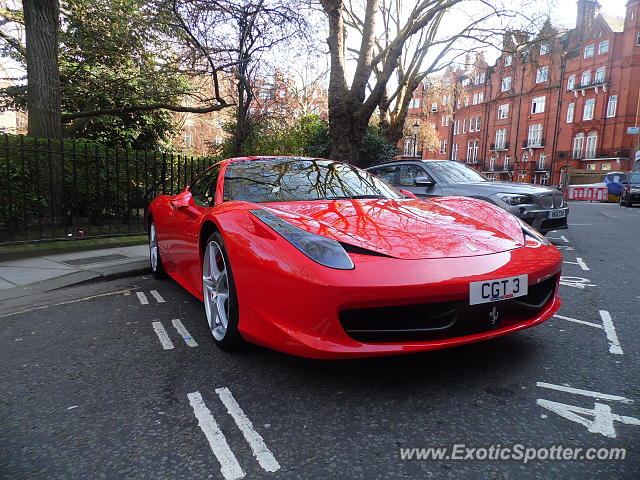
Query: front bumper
{"x": 539, "y": 218}
{"x": 297, "y": 310}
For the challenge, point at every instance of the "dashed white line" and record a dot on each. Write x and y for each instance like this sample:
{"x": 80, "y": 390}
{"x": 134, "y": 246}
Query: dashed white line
{"x": 162, "y": 335}
{"x": 143, "y": 298}
{"x": 157, "y": 296}
{"x": 260, "y": 450}
{"x": 583, "y": 322}
{"x": 587, "y": 393}
{"x": 229, "y": 466}
{"x": 610, "y": 330}
{"x": 186, "y": 336}
{"x": 579, "y": 262}
{"x": 564, "y": 238}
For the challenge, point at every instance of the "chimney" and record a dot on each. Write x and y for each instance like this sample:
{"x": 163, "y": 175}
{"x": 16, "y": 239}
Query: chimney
{"x": 588, "y": 10}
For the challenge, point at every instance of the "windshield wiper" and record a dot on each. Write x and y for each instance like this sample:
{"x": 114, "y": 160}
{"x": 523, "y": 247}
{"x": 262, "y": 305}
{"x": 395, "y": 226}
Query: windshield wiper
{"x": 353, "y": 197}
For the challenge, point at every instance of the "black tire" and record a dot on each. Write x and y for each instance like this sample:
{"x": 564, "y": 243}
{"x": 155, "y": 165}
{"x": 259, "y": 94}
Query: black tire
{"x": 621, "y": 202}
{"x": 627, "y": 201}
{"x": 157, "y": 268}
{"x": 232, "y": 340}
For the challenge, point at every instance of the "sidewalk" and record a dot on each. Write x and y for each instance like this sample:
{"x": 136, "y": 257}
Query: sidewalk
{"x": 41, "y": 274}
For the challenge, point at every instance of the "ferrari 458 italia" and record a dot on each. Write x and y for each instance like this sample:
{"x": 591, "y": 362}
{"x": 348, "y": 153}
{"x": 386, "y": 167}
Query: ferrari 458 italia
{"x": 321, "y": 259}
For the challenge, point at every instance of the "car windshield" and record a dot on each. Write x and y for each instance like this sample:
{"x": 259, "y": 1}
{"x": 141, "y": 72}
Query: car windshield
{"x": 635, "y": 178}
{"x": 300, "y": 179}
{"x": 454, "y": 172}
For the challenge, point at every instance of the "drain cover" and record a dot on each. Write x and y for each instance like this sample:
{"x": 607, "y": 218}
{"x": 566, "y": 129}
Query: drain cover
{"x": 99, "y": 259}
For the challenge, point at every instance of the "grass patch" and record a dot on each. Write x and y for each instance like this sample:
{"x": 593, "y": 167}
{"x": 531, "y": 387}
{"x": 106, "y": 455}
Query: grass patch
{"x": 64, "y": 246}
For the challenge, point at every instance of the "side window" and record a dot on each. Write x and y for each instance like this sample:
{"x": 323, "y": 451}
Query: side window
{"x": 203, "y": 189}
{"x": 386, "y": 173}
{"x": 408, "y": 174}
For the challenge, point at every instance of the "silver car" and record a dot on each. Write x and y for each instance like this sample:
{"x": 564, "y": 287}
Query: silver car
{"x": 541, "y": 207}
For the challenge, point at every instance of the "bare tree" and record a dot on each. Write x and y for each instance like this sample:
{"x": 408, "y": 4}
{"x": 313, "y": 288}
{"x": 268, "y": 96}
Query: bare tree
{"x": 413, "y": 44}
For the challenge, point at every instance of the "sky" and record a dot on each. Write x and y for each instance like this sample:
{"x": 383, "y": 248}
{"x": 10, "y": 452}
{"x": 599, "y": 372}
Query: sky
{"x": 564, "y": 11}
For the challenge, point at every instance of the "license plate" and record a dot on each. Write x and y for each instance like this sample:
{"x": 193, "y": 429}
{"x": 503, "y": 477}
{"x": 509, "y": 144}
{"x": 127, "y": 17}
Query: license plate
{"x": 498, "y": 289}
{"x": 557, "y": 213}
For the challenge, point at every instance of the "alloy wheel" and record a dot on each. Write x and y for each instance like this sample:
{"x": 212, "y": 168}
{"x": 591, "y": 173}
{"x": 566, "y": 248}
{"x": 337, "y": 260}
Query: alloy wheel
{"x": 215, "y": 289}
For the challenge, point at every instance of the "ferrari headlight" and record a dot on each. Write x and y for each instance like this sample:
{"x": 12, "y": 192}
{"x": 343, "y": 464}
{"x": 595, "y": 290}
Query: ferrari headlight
{"x": 323, "y": 250}
{"x": 529, "y": 231}
{"x": 515, "y": 199}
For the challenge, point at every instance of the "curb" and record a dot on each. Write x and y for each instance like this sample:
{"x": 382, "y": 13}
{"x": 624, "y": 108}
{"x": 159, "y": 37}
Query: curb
{"x": 129, "y": 269}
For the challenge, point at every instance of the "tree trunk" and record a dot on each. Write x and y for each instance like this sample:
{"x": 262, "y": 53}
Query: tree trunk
{"x": 43, "y": 79}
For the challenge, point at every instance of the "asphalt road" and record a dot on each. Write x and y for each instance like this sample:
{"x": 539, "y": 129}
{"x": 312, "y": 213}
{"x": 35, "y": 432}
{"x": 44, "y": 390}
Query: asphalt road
{"x": 87, "y": 390}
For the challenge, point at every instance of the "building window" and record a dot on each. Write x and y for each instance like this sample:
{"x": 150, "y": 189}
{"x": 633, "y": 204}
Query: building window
{"x": 443, "y": 146}
{"x": 578, "y": 144}
{"x": 282, "y": 93}
{"x": 612, "y": 104}
{"x": 466, "y": 101}
{"x": 535, "y": 135}
{"x": 454, "y": 151}
{"x": 444, "y": 121}
{"x": 599, "y": 78}
{"x": 456, "y": 127}
{"x": 537, "y": 104}
{"x": 508, "y": 60}
{"x": 506, "y": 84}
{"x": 477, "y": 124}
{"x": 638, "y": 39}
{"x": 264, "y": 95}
{"x": 544, "y": 49}
{"x": 586, "y": 78}
{"x": 475, "y": 99}
{"x": 447, "y": 81}
{"x": 571, "y": 82}
{"x": 445, "y": 99}
{"x": 188, "y": 140}
{"x": 589, "y": 106}
{"x": 591, "y": 166}
{"x": 542, "y": 74}
{"x": 525, "y": 157}
{"x": 492, "y": 163}
{"x": 503, "y": 111}
{"x": 507, "y": 160}
{"x": 571, "y": 108}
{"x": 542, "y": 160}
{"x": 501, "y": 138}
{"x": 434, "y": 107}
{"x": 589, "y": 50}
{"x": 590, "y": 147}
{"x": 464, "y": 125}
{"x": 605, "y": 166}
{"x": 469, "y": 152}
{"x": 603, "y": 47}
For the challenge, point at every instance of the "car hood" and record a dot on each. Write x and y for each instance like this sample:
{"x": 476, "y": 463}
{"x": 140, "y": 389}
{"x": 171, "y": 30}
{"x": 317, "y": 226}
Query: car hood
{"x": 409, "y": 229}
{"x": 489, "y": 188}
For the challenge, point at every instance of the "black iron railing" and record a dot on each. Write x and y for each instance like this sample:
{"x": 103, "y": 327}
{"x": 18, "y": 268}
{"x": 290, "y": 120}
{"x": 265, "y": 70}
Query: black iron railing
{"x": 58, "y": 189}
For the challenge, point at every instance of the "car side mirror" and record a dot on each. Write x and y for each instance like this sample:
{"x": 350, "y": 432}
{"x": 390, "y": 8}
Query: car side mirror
{"x": 408, "y": 194}
{"x": 423, "y": 182}
{"x": 182, "y": 201}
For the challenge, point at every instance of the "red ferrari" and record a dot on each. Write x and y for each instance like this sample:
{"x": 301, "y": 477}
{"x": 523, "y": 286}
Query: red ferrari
{"x": 321, "y": 259}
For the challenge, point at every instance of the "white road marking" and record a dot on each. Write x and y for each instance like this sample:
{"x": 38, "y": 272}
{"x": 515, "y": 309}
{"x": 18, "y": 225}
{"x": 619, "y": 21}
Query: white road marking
{"x": 162, "y": 336}
{"x": 229, "y": 466}
{"x": 576, "y": 282}
{"x": 610, "y": 330}
{"x": 564, "y": 238}
{"x": 591, "y": 324}
{"x": 586, "y": 393}
{"x": 579, "y": 262}
{"x": 143, "y": 298}
{"x": 186, "y": 336}
{"x": 260, "y": 450}
{"x": 157, "y": 296}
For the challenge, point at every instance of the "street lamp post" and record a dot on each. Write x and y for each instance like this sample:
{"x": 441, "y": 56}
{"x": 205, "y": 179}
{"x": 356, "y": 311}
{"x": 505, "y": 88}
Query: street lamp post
{"x": 416, "y": 129}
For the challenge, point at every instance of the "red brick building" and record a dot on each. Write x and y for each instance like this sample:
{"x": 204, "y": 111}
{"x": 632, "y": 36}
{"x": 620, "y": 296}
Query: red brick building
{"x": 561, "y": 101}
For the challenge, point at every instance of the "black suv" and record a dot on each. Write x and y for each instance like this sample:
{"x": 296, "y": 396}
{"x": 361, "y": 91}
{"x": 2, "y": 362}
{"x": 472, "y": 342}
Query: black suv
{"x": 631, "y": 190}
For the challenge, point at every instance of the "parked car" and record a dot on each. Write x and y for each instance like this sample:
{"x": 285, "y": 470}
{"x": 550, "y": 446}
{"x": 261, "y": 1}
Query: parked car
{"x": 318, "y": 258}
{"x": 541, "y": 207}
{"x": 631, "y": 190}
